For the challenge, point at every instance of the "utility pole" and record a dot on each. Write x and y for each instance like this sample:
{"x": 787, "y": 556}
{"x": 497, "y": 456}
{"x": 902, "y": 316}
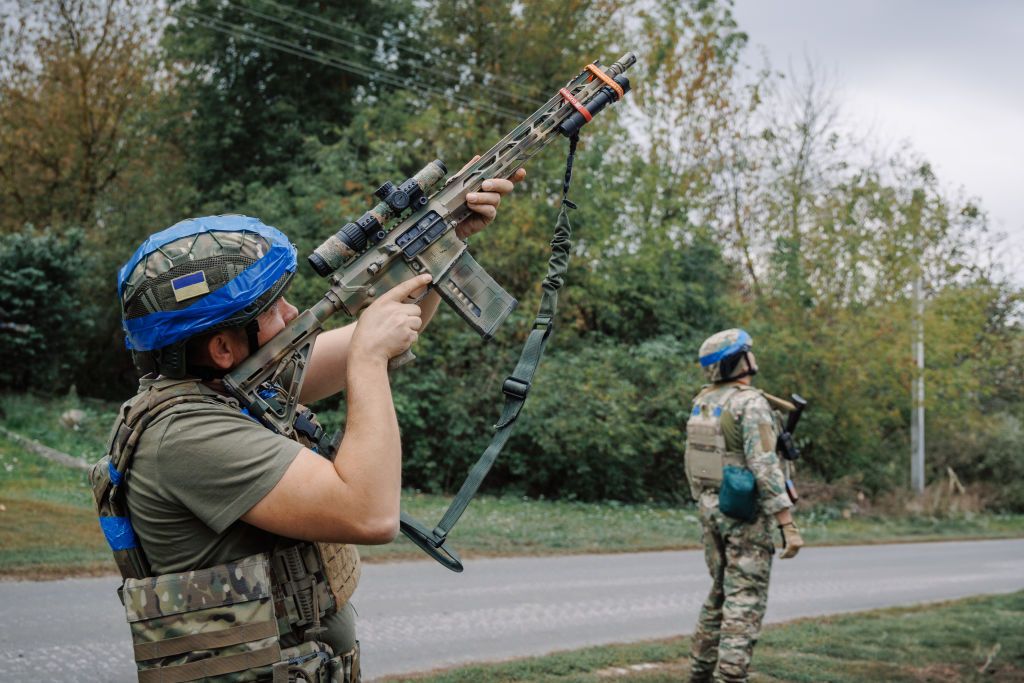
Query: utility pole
{"x": 917, "y": 394}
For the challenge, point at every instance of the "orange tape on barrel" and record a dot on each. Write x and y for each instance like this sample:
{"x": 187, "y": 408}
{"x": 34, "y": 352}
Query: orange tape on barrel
{"x": 568, "y": 97}
{"x": 608, "y": 80}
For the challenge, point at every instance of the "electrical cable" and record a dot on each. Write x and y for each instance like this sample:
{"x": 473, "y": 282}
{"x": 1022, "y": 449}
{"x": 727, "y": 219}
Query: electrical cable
{"x": 416, "y": 54}
{"x": 411, "y": 65}
{"x": 334, "y": 61}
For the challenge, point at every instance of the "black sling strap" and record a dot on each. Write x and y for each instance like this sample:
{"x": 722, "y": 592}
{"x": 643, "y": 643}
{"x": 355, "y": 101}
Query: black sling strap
{"x": 515, "y": 388}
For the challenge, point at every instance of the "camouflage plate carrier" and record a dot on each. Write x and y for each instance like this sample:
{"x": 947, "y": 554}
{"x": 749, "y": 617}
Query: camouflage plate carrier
{"x": 712, "y": 439}
{"x": 223, "y": 622}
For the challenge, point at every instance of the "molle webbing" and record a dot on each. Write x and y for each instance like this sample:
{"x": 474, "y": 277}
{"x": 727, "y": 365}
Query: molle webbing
{"x": 108, "y": 475}
{"x": 301, "y": 589}
{"x": 213, "y": 666}
{"x": 712, "y": 442}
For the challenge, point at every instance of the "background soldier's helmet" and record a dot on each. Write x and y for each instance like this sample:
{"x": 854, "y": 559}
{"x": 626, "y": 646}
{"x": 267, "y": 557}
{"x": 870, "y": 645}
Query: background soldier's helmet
{"x": 727, "y": 355}
{"x": 198, "y": 276}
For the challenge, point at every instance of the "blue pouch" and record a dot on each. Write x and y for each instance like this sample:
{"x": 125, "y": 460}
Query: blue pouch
{"x": 737, "y": 497}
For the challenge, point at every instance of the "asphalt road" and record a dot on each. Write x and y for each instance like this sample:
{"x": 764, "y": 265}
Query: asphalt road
{"x": 415, "y": 616}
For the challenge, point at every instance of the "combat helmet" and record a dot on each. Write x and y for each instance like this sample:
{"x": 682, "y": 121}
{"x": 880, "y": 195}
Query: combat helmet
{"x": 197, "y": 276}
{"x": 726, "y": 356}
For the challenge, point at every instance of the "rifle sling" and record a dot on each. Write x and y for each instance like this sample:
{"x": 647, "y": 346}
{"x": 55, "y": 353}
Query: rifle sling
{"x": 515, "y": 388}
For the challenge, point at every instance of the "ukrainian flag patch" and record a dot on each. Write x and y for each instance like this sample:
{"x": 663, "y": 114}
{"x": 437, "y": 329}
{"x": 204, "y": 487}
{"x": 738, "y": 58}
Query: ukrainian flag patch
{"x": 189, "y": 286}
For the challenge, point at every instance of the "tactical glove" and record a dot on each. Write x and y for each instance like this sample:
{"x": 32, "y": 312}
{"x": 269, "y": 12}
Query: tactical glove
{"x": 792, "y": 541}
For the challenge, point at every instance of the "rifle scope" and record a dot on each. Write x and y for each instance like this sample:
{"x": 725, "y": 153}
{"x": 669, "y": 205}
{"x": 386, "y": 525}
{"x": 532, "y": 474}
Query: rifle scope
{"x": 353, "y": 238}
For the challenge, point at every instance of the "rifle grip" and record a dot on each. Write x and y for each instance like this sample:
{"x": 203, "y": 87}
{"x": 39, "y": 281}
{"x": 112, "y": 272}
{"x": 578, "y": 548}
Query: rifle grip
{"x": 401, "y": 359}
{"x": 475, "y": 296}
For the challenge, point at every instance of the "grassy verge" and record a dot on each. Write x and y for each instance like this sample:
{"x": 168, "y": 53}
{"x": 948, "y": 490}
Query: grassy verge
{"x": 978, "y": 639}
{"x": 47, "y": 524}
{"x": 514, "y": 526}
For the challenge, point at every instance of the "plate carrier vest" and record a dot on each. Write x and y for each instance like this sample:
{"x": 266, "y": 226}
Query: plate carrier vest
{"x": 710, "y": 444}
{"x": 227, "y": 620}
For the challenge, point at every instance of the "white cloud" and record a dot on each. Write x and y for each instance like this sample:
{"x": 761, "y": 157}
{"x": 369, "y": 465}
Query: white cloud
{"x": 943, "y": 75}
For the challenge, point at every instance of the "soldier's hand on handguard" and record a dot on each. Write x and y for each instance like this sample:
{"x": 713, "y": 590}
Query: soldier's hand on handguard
{"x": 792, "y": 541}
{"x": 484, "y": 203}
{"x": 391, "y": 324}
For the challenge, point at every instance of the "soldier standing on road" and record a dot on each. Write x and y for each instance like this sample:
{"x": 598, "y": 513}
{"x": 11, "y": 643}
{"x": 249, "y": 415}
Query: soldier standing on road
{"x": 233, "y": 539}
{"x": 731, "y": 435}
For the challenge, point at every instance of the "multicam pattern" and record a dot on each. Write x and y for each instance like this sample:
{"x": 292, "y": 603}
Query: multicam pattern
{"x": 206, "y": 601}
{"x": 738, "y": 554}
{"x": 248, "y": 245}
{"x": 242, "y": 581}
{"x": 739, "y": 559}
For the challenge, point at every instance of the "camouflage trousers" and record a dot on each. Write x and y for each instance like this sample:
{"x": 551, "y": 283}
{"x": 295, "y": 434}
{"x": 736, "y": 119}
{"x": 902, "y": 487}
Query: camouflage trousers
{"x": 739, "y": 559}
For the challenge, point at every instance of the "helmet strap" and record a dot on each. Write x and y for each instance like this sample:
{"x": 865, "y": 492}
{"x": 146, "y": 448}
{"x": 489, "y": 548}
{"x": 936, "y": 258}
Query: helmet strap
{"x": 749, "y": 372}
{"x": 252, "y": 331}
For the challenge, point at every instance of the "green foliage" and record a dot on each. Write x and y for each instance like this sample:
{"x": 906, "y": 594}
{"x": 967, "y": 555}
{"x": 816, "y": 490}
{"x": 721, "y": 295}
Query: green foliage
{"x": 714, "y": 197}
{"x": 254, "y": 99}
{"x": 40, "y": 314}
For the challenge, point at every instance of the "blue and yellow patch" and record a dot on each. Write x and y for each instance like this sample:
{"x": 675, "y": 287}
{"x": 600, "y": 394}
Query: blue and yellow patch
{"x": 190, "y": 286}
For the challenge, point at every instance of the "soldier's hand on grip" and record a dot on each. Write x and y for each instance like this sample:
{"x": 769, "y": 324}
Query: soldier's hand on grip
{"x": 792, "y": 541}
{"x": 390, "y": 325}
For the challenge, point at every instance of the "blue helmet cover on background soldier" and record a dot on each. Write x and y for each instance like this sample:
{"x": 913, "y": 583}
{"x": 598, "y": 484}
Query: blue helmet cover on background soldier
{"x": 722, "y": 347}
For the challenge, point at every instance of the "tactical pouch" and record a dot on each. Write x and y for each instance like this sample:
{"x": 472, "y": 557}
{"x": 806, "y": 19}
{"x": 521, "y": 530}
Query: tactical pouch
{"x": 737, "y": 496}
{"x": 208, "y": 622}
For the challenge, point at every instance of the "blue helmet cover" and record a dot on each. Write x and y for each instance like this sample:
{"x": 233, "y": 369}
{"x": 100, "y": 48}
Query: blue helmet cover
{"x": 742, "y": 343}
{"x": 162, "y": 328}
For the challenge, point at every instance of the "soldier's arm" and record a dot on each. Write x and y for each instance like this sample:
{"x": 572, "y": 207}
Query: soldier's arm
{"x": 354, "y": 499}
{"x": 759, "y": 436}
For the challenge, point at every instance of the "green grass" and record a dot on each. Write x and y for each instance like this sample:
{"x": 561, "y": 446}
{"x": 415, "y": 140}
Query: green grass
{"x": 49, "y": 524}
{"x": 950, "y": 641}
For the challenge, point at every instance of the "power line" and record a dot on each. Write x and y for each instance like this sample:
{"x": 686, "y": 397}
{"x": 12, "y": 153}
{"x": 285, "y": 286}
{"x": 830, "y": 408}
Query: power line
{"x": 342, "y": 64}
{"x": 414, "y": 52}
{"x": 416, "y": 65}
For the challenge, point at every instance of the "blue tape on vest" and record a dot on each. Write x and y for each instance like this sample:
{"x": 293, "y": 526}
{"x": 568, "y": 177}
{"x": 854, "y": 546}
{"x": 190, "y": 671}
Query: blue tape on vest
{"x": 696, "y": 411}
{"x": 718, "y": 411}
{"x": 119, "y": 533}
{"x": 115, "y": 477}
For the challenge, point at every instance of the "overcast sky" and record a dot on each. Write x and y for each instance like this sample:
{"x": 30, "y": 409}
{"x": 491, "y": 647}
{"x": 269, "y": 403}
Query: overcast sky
{"x": 945, "y": 75}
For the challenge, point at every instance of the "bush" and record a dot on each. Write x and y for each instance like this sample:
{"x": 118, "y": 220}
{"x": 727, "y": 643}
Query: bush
{"x": 42, "y": 318}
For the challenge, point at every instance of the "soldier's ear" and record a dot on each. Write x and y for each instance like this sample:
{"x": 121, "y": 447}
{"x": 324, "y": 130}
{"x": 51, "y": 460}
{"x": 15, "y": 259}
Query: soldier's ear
{"x": 226, "y": 349}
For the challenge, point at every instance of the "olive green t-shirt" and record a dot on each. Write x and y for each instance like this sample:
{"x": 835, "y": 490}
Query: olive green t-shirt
{"x": 197, "y": 469}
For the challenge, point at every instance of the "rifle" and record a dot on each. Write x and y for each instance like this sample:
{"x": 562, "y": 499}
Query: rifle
{"x": 786, "y": 447}
{"x": 366, "y": 258}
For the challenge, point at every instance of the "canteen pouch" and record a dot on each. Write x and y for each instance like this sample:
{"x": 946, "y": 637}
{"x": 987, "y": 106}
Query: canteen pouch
{"x": 737, "y": 496}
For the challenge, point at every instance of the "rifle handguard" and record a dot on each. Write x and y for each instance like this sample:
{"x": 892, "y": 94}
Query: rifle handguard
{"x": 430, "y": 543}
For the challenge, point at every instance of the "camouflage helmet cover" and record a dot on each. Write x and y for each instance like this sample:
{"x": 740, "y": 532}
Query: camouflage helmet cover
{"x": 201, "y": 275}
{"x": 721, "y": 352}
